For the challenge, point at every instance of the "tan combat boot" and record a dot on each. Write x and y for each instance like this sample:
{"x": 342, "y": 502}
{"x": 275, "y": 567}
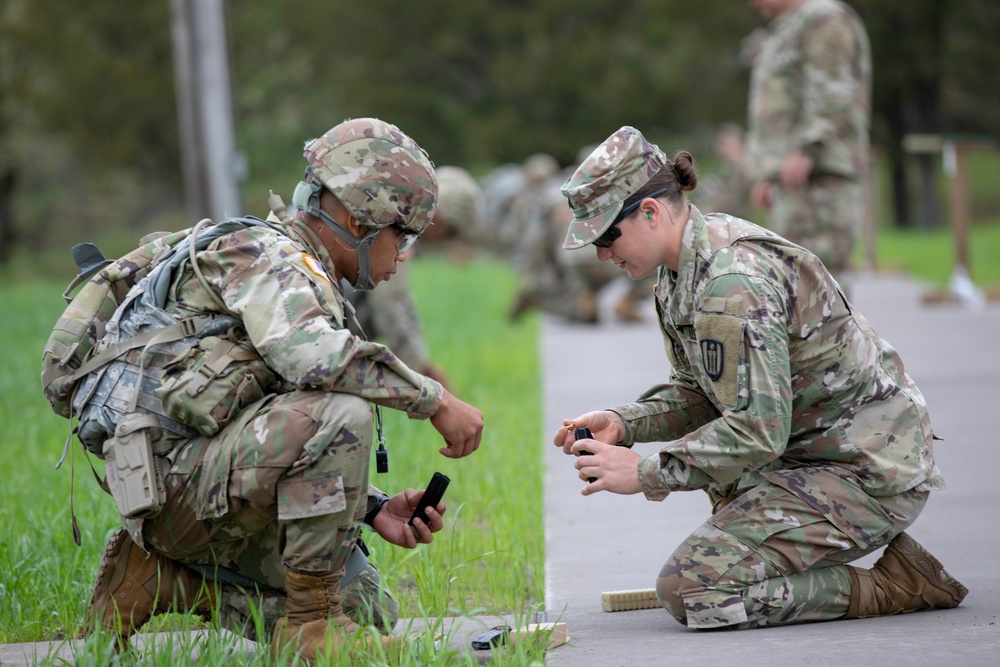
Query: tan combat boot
{"x": 315, "y": 621}
{"x": 627, "y": 309}
{"x": 131, "y": 586}
{"x": 523, "y": 302}
{"x": 906, "y": 578}
{"x": 587, "y": 308}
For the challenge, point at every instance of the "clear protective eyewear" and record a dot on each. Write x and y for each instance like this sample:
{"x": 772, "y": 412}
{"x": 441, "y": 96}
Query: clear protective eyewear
{"x": 406, "y": 240}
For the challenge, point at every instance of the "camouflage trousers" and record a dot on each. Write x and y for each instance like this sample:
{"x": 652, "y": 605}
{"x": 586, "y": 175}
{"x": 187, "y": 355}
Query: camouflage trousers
{"x": 777, "y": 553}
{"x": 824, "y": 217}
{"x": 283, "y": 485}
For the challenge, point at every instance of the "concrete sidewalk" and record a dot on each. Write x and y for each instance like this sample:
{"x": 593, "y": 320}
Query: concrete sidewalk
{"x": 607, "y": 543}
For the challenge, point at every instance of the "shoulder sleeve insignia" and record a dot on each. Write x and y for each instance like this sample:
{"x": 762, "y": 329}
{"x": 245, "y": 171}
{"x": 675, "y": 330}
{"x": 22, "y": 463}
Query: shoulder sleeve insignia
{"x": 713, "y": 357}
{"x": 314, "y": 265}
{"x": 720, "y": 342}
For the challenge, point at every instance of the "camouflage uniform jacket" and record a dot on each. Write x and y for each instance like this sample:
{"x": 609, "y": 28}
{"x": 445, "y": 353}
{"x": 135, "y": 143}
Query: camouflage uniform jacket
{"x": 772, "y": 369}
{"x": 283, "y": 289}
{"x": 810, "y": 89}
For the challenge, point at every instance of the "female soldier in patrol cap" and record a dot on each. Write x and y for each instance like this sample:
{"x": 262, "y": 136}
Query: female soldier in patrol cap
{"x": 783, "y": 404}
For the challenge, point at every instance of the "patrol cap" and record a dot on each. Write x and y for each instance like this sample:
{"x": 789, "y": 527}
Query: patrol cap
{"x": 380, "y": 175}
{"x": 613, "y": 171}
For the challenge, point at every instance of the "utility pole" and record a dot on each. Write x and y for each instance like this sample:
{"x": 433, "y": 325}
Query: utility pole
{"x": 212, "y": 167}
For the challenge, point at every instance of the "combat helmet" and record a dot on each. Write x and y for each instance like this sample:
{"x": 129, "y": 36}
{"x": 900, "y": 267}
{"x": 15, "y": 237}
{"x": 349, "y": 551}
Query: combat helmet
{"x": 460, "y": 202}
{"x": 380, "y": 175}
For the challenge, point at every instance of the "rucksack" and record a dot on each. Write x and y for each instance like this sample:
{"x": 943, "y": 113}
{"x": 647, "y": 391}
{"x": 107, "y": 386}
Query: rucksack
{"x": 73, "y": 348}
{"x": 105, "y": 285}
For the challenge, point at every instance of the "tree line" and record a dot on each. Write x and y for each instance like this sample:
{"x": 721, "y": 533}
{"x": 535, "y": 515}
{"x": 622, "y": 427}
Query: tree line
{"x": 89, "y": 135}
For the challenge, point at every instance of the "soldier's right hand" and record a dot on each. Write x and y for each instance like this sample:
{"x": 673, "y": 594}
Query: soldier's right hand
{"x": 460, "y": 424}
{"x": 606, "y": 426}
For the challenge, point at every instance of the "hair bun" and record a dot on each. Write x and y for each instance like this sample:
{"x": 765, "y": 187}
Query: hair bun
{"x": 684, "y": 171}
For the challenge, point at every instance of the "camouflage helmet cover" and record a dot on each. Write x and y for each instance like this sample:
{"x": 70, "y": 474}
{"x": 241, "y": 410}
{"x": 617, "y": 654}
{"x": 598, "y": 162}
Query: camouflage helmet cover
{"x": 460, "y": 200}
{"x": 377, "y": 172}
{"x": 613, "y": 171}
{"x": 539, "y": 168}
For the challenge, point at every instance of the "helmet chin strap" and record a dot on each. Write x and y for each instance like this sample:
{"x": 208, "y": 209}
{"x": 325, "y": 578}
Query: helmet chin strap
{"x": 306, "y": 197}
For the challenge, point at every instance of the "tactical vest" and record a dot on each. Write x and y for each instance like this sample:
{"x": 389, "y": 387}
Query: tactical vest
{"x": 112, "y": 354}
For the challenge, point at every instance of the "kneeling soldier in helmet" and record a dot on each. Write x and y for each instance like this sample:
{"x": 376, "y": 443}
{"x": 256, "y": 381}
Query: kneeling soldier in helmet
{"x": 276, "y": 498}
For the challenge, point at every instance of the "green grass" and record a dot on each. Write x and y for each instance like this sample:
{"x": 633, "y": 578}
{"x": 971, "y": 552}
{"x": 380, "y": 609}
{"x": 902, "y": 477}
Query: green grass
{"x": 930, "y": 254}
{"x": 489, "y": 558}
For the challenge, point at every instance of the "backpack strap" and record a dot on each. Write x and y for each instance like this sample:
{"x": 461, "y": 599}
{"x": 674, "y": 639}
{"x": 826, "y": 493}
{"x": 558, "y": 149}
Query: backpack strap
{"x": 193, "y": 258}
{"x": 186, "y": 327}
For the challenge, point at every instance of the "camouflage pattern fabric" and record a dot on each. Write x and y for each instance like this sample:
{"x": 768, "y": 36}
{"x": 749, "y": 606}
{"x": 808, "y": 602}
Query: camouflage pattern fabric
{"x": 388, "y": 314}
{"x": 783, "y": 396}
{"x": 537, "y": 219}
{"x": 727, "y": 191}
{"x": 777, "y": 554}
{"x": 772, "y": 368}
{"x": 539, "y": 214}
{"x": 378, "y": 172}
{"x": 285, "y": 483}
{"x": 823, "y": 217}
{"x": 500, "y": 189}
{"x": 810, "y": 90}
{"x": 282, "y": 289}
{"x": 298, "y": 460}
{"x": 82, "y": 324}
{"x": 461, "y": 205}
{"x": 596, "y": 193}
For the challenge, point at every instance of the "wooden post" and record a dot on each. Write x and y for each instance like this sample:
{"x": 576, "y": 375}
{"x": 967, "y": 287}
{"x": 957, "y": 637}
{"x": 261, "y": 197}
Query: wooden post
{"x": 870, "y": 223}
{"x": 958, "y": 198}
{"x": 954, "y": 151}
{"x": 212, "y": 167}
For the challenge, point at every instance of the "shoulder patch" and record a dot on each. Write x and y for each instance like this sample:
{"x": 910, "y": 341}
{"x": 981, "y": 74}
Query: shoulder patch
{"x": 720, "y": 340}
{"x": 713, "y": 357}
{"x": 316, "y": 267}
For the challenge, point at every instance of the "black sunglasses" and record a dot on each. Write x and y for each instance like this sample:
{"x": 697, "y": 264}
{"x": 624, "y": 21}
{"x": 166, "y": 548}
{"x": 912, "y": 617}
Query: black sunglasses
{"x": 612, "y": 233}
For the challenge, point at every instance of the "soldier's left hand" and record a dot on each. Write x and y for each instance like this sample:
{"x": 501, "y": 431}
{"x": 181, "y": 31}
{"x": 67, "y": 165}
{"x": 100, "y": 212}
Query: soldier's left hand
{"x": 616, "y": 469}
{"x": 392, "y": 522}
{"x": 460, "y": 424}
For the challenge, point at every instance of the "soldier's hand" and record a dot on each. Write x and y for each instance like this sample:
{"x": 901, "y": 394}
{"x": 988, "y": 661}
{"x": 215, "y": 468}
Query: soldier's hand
{"x": 392, "y": 522}
{"x": 614, "y": 469}
{"x": 796, "y": 169}
{"x": 460, "y": 424}
{"x": 606, "y": 426}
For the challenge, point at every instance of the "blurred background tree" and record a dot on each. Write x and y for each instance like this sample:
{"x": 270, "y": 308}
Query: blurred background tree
{"x": 89, "y": 135}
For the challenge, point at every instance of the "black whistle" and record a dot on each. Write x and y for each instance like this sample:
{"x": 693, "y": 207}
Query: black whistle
{"x": 382, "y": 460}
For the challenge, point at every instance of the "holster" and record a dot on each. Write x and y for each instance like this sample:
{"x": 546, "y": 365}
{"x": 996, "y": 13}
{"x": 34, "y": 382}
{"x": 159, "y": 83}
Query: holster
{"x": 134, "y": 475}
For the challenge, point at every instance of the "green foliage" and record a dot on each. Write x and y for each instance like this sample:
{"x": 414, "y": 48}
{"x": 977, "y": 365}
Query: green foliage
{"x": 89, "y": 135}
{"x": 489, "y": 559}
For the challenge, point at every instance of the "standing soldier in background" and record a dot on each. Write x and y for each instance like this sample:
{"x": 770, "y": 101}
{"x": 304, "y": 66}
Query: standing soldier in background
{"x": 809, "y": 115}
{"x": 728, "y": 189}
